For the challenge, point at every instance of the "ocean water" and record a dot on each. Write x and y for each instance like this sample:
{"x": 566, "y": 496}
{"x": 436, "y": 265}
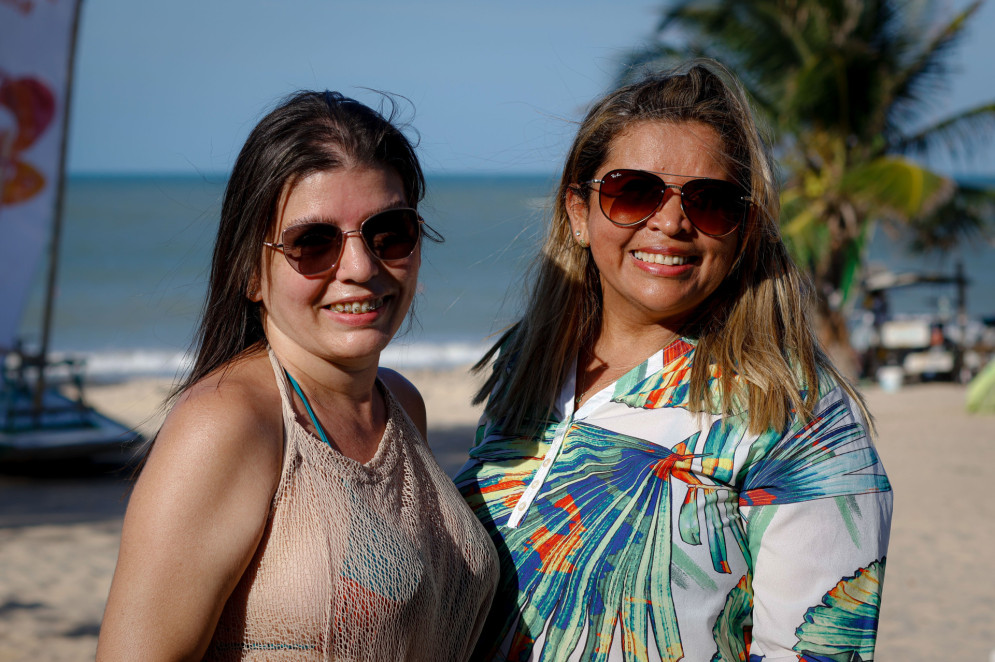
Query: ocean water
{"x": 136, "y": 254}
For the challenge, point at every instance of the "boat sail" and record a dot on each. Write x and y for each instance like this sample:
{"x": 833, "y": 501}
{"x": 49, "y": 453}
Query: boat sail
{"x": 37, "y": 421}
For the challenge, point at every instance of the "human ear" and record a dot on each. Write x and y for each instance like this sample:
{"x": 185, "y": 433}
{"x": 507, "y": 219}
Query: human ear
{"x": 253, "y": 291}
{"x": 577, "y": 210}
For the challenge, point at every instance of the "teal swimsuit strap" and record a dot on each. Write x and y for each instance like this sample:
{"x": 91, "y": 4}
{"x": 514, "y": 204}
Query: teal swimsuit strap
{"x": 310, "y": 412}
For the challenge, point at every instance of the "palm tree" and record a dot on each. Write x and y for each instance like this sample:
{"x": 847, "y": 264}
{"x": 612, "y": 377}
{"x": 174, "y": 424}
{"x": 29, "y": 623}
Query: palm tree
{"x": 845, "y": 85}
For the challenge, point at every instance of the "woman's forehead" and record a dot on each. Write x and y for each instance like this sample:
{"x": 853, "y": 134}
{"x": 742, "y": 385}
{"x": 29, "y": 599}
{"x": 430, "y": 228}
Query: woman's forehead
{"x": 339, "y": 194}
{"x": 691, "y": 148}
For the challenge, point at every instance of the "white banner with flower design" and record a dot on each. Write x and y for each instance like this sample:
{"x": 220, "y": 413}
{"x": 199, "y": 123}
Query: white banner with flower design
{"x": 36, "y": 39}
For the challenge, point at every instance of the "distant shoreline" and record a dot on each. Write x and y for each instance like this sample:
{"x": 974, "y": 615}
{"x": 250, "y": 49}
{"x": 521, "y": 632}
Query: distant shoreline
{"x": 966, "y": 178}
{"x": 221, "y": 177}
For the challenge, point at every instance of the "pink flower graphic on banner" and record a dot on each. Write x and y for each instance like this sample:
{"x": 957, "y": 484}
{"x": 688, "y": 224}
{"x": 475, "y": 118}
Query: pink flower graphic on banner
{"x": 27, "y": 107}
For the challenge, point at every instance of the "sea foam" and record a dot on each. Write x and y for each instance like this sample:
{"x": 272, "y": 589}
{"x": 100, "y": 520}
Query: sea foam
{"x": 113, "y": 365}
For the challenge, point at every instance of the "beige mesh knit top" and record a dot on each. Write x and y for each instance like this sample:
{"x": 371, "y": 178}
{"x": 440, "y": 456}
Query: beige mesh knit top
{"x": 376, "y": 561}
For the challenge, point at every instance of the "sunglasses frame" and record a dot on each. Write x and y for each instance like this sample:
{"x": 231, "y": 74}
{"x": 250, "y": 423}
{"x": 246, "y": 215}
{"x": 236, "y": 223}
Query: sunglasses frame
{"x": 344, "y": 235}
{"x": 680, "y": 192}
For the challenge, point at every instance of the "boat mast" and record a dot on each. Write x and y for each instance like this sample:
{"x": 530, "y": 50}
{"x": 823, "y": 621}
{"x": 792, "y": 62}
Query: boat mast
{"x": 53, "y": 253}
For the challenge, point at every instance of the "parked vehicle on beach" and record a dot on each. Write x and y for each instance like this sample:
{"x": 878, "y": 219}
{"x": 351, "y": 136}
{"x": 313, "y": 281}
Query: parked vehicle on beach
{"x": 941, "y": 344}
{"x": 44, "y": 414}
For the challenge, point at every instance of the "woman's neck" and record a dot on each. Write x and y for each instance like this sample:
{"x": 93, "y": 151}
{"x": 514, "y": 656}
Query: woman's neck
{"x": 344, "y": 398}
{"x": 614, "y": 353}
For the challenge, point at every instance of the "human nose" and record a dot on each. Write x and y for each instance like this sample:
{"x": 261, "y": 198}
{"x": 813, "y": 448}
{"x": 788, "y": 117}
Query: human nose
{"x": 356, "y": 263}
{"x": 669, "y": 217}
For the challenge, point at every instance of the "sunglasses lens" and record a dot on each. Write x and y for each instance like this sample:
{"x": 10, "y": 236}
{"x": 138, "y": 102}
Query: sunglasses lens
{"x": 393, "y": 234}
{"x": 715, "y": 207}
{"x": 312, "y": 248}
{"x": 630, "y": 196}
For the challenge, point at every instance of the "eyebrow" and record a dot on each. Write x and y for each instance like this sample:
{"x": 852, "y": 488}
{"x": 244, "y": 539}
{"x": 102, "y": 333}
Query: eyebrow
{"x": 303, "y": 220}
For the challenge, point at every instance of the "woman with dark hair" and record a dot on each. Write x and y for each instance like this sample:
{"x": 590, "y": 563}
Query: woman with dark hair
{"x": 668, "y": 464}
{"x": 290, "y": 507}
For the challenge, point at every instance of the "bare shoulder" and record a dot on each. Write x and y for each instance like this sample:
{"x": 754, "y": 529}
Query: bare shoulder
{"x": 408, "y": 396}
{"x": 222, "y": 439}
{"x": 233, "y": 414}
{"x": 196, "y": 516}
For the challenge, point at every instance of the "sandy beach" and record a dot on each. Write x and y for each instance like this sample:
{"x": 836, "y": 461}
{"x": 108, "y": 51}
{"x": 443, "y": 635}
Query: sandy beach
{"x": 59, "y": 527}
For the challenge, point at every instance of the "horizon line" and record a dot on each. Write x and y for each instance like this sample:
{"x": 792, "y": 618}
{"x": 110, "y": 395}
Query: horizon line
{"x": 211, "y": 174}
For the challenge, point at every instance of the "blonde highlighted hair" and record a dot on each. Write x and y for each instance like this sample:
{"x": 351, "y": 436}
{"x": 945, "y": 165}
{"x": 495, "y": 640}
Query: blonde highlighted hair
{"x": 755, "y": 328}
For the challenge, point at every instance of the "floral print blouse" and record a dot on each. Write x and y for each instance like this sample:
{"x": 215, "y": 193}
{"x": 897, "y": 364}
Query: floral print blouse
{"x": 633, "y": 529}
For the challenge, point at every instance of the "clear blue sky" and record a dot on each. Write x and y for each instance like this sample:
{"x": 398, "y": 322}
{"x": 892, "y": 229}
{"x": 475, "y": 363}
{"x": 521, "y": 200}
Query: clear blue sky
{"x": 175, "y": 85}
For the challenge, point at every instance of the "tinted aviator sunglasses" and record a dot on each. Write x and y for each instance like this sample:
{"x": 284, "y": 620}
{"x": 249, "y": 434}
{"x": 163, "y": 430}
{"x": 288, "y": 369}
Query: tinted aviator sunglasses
{"x": 314, "y": 248}
{"x": 629, "y": 197}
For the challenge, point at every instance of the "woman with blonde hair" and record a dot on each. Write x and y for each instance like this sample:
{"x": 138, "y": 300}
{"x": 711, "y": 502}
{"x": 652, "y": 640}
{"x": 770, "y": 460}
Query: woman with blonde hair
{"x": 668, "y": 464}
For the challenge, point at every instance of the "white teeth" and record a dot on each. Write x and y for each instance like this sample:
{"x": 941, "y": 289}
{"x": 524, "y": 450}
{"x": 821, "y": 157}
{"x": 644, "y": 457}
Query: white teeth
{"x": 656, "y": 258}
{"x": 356, "y": 307}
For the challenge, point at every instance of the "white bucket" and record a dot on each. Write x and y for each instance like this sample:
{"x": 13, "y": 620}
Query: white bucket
{"x": 890, "y": 378}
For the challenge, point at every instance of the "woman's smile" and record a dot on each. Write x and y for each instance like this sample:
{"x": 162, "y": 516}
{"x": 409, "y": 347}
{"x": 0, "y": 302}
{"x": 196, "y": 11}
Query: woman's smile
{"x": 667, "y": 259}
{"x": 357, "y": 306}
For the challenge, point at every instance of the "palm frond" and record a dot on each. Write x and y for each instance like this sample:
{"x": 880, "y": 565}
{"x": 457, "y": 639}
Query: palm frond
{"x": 959, "y": 135}
{"x": 927, "y": 74}
{"x": 968, "y": 215}
{"x": 897, "y": 187}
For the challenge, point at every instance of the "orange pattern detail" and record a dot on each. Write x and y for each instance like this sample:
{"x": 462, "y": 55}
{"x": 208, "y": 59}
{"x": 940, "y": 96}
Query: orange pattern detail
{"x": 554, "y": 548}
{"x": 32, "y": 105}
